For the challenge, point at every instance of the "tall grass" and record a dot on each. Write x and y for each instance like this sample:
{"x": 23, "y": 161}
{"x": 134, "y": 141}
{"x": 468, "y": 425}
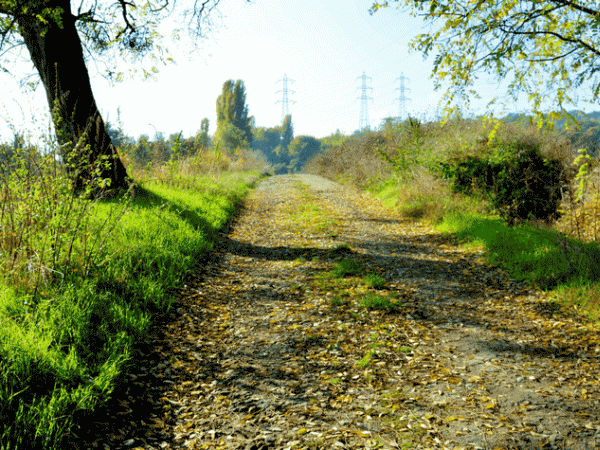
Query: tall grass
{"x": 81, "y": 279}
{"x": 398, "y": 163}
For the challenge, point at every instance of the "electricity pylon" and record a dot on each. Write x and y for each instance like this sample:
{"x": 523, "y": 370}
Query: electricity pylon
{"x": 285, "y": 101}
{"x": 402, "y": 99}
{"x": 364, "y": 113}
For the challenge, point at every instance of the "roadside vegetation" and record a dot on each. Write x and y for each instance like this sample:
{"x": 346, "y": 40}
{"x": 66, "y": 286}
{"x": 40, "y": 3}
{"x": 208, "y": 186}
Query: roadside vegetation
{"x": 527, "y": 197}
{"x": 82, "y": 276}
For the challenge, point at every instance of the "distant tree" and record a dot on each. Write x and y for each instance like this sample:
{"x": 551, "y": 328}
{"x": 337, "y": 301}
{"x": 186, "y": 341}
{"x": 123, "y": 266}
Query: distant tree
{"x": 53, "y": 33}
{"x": 555, "y": 40}
{"x": 115, "y": 135}
{"x": 300, "y": 150}
{"x": 333, "y": 140}
{"x": 361, "y": 133}
{"x": 266, "y": 141}
{"x": 188, "y": 146}
{"x": 240, "y": 112}
{"x": 389, "y": 123}
{"x": 161, "y": 150}
{"x": 142, "y": 152}
{"x": 174, "y": 144}
{"x": 202, "y": 136}
{"x": 232, "y": 111}
{"x": 19, "y": 154}
{"x": 287, "y": 131}
{"x": 230, "y": 137}
{"x": 225, "y": 104}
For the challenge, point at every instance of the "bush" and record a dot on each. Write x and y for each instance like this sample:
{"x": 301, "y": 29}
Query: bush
{"x": 521, "y": 185}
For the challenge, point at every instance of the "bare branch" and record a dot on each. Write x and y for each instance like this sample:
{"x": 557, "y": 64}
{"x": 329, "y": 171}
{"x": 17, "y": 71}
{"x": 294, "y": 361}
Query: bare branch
{"x": 128, "y": 26}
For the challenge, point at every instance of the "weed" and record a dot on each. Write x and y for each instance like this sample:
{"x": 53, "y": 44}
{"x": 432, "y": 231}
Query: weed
{"x": 366, "y": 360}
{"x": 374, "y": 281}
{"x": 338, "y": 301}
{"x": 347, "y": 267}
{"x": 378, "y": 302}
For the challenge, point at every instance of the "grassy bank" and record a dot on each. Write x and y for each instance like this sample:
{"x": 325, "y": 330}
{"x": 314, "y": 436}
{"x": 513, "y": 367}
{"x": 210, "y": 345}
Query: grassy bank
{"x": 80, "y": 282}
{"x": 400, "y": 163}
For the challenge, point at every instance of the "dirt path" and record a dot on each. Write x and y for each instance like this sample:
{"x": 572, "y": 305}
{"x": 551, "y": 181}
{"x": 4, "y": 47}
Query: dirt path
{"x": 269, "y": 349}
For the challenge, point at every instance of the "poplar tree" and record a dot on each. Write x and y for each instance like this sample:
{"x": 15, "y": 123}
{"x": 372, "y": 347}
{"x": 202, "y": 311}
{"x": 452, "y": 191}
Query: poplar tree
{"x": 234, "y": 126}
{"x": 202, "y": 137}
{"x": 287, "y": 131}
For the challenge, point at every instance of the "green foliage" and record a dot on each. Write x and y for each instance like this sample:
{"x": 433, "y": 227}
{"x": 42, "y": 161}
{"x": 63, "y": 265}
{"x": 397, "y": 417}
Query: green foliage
{"x": 202, "y": 138}
{"x": 378, "y": 302}
{"x": 584, "y": 161}
{"x": 300, "y": 150}
{"x": 80, "y": 281}
{"x": 160, "y": 150}
{"x": 266, "y": 140}
{"x": 521, "y": 185}
{"x": 407, "y": 148}
{"x": 347, "y": 267}
{"x": 554, "y": 41}
{"x": 374, "y": 281}
{"x": 287, "y": 132}
{"x": 109, "y": 31}
{"x": 230, "y": 138}
{"x": 142, "y": 152}
{"x": 543, "y": 257}
{"x": 233, "y": 124}
{"x": 285, "y": 153}
{"x": 587, "y": 137}
{"x": 333, "y": 140}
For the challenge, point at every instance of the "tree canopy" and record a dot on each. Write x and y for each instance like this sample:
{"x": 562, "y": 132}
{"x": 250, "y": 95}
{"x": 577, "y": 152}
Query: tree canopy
{"x": 234, "y": 126}
{"x": 541, "y": 41}
{"x": 56, "y": 33}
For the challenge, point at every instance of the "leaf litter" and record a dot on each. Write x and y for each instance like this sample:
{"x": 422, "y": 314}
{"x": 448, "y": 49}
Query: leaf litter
{"x": 275, "y": 344}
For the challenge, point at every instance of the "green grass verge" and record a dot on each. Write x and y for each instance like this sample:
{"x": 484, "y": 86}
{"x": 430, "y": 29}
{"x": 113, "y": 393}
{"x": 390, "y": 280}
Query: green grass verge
{"x": 541, "y": 257}
{"x": 64, "y": 348}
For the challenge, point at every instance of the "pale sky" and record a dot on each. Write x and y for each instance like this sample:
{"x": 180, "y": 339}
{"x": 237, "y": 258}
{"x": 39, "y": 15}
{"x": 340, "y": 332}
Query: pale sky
{"x": 323, "y": 45}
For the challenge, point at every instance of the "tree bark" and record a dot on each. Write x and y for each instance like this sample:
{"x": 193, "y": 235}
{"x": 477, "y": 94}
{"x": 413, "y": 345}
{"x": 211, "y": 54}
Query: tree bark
{"x": 57, "y": 54}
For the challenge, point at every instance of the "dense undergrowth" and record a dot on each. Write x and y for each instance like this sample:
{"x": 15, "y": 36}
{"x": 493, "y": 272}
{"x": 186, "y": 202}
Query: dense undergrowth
{"x": 80, "y": 279}
{"x": 528, "y": 197}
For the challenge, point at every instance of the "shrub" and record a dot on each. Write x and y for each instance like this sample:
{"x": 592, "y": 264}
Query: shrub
{"x": 521, "y": 183}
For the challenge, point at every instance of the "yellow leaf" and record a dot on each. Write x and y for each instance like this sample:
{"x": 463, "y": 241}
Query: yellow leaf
{"x": 302, "y": 431}
{"x": 451, "y": 419}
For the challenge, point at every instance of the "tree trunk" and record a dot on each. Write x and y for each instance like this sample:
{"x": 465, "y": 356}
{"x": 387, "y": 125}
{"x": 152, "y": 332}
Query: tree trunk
{"x": 57, "y": 54}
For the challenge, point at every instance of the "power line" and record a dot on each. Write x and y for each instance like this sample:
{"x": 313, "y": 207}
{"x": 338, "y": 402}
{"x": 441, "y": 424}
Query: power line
{"x": 364, "y": 113}
{"x": 402, "y": 99}
{"x": 285, "y": 101}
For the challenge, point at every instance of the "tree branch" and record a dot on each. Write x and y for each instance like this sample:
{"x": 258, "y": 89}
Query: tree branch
{"x": 577, "y": 7}
{"x": 128, "y": 26}
{"x": 559, "y": 36}
{"x": 564, "y": 55}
